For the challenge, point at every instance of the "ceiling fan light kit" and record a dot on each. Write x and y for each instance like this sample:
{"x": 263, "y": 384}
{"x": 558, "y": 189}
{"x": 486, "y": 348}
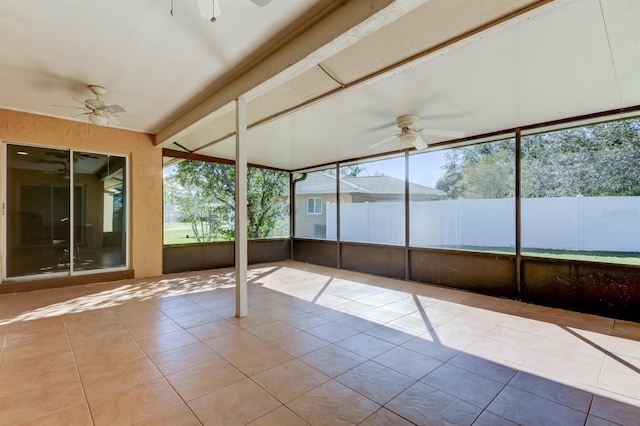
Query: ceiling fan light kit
{"x": 97, "y": 111}
{"x": 410, "y": 135}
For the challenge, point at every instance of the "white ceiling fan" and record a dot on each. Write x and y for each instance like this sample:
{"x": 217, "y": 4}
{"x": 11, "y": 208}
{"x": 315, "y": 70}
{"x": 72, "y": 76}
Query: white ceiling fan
{"x": 210, "y": 9}
{"x": 410, "y": 134}
{"x": 97, "y": 110}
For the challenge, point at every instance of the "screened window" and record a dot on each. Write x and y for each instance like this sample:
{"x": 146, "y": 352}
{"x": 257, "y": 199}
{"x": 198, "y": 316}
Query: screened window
{"x": 315, "y": 199}
{"x": 199, "y": 204}
{"x": 373, "y": 207}
{"x": 581, "y": 193}
{"x": 463, "y": 198}
{"x": 314, "y": 205}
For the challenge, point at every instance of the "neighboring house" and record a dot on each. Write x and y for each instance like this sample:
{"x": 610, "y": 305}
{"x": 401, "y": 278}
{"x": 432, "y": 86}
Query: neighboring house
{"x": 319, "y": 188}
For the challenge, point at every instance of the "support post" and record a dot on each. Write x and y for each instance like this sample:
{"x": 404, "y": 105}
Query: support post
{"x": 518, "y": 199}
{"x": 241, "y": 247}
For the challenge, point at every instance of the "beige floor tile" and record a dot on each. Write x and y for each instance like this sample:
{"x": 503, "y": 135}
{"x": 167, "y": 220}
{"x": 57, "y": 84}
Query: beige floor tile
{"x": 213, "y": 330}
{"x": 237, "y": 404}
{"x": 281, "y": 416}
{"x": 290, "y": 380}
{"x": 272, "y": 331}
{"x": 166, "y": 342}
{"x": 178, "y": 416}
{"x": 408, "y": 362}
{"x": 357, "y": 323}
{"x": 422, "y": 404}
{"x": 501, "y": 371}
{"x": 332, "y": 360}
{"x": 135, "y": 404}
{"x": 615, "y": 408}
{"x": 74, "y": 416}
{"x": 597, "y": 421}
{"x": 622, "y": 363}
{"x": 501, "y": 351}
{"x": 253, "y": 362}
{"x": 390, "y": 334}
{"x": 333, "y": 404}
{"x": 257, "y": 318}
{"x": 204, "y": 378}
{"x": 624, "y": 346}
{"x": 626, "y": 384}
{"x": 101, "y": 380}
{"x": 197, "y": 318}
{"x": 14, "y": 381}
{"x": 40, "y": 402}
{"x": 527, "y": 409}
{"x": 431, "y": 348}
{"x": 576, "y": 351}
{"x": 122, "y": 349}
{"x": 384, "y": 417}
{"x": 96, "y": 332}
{"x": 365, "y": 345}
{"x": 175, "y": 360}
{"x": 561, "y": 369}
{"x": 375, "y": 381}
{"x": 463, "y": 384}
{"x": 236, "y": 342}
{"x": 305, "y": 321}
{"x": 332, "y": 332}
{"x": 299, "y": 343}
{"x": 141, "y": 332}
{"x": 576, "y": 396}
{"x": 490, "y": 419}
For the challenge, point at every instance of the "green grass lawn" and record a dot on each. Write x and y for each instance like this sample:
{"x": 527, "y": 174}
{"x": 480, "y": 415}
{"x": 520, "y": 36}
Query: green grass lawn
{"x": 181, "y": 233}
{"x": 625, "y": 258}
{"x": 178, "y": 233}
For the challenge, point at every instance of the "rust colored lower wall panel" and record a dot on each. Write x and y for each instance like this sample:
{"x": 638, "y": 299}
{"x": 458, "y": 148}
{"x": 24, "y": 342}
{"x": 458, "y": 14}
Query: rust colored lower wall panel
{"x": 264, "y": 251}
{"x": 479, "y": 272}
{"x": 386, "y": 261}
{"x": 317, "y": 252}
{"x": 610, "y": 290}
{"x": 45, "y": 283}
{"x": 198, "y": 257}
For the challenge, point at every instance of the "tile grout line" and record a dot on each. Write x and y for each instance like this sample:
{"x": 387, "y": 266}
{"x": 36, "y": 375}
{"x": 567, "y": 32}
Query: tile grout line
{"x": 75, "y": 363}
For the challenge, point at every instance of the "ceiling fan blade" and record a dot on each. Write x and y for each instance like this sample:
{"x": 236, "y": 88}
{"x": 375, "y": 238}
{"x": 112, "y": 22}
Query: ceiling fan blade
{"x": 86, "y": 105}
{"x": 115, "y": 109}
{"x": 261, "y": 3}
{"x": 68, "y": 106}
{"x": 445, "y": 133}
{"x": 419, "y": 143}
{"x": 382, "y": 142}
{"x": 84, "y": 113}
{"x": 382, "y": 126}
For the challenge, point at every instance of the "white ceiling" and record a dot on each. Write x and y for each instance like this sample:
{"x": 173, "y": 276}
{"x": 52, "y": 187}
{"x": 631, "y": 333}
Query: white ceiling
{"x": 152, "y": 63}
{"x": 562, "y": 59}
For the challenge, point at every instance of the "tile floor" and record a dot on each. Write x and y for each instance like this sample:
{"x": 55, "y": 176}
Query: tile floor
{"x": 320, "y": 346}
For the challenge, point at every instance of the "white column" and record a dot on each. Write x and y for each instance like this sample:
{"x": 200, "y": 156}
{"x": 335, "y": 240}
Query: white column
{"x": 241, "y": 208}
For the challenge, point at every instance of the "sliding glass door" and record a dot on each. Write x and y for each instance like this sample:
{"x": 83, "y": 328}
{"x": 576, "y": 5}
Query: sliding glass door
{"x": 52, "y": 229}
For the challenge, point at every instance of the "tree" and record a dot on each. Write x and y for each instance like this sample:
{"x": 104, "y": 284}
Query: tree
{"x": 598, "y": 160}
{"x": 206, "y": 200}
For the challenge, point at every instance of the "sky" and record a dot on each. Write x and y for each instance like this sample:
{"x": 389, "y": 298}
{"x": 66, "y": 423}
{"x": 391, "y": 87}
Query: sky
{"x": 425, "y": 168}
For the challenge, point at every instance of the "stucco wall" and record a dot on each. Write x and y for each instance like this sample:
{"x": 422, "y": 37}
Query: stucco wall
{"x": 145, "y": 165}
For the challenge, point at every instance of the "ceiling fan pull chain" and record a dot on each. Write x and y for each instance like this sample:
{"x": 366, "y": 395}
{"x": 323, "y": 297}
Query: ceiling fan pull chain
{"x": 171, "y": 8}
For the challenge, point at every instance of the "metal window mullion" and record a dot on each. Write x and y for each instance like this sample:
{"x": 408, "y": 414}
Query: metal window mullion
{"x": 71, "y": 215}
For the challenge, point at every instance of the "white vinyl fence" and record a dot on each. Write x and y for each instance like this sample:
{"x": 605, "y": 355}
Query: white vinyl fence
{"x": 580, "y": 223}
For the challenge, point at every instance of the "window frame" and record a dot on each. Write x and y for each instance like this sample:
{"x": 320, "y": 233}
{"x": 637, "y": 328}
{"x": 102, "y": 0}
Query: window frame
{"x": 315, "y": 211}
